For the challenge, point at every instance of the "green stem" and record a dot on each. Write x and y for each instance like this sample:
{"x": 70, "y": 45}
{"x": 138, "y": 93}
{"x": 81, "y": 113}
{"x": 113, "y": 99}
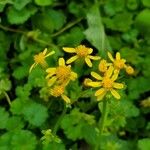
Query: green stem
{"x": 103, "y": 118}
{"x": 67, "y": 27}
{"x": 26, "y": 34}
{"x": 56, "y": 127}
{"x": 7, "y": 98}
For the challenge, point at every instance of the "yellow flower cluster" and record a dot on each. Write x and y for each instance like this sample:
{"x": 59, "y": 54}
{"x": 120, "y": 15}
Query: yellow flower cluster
{"x": 110, "y": 72}
{"x": 59, "y": 77}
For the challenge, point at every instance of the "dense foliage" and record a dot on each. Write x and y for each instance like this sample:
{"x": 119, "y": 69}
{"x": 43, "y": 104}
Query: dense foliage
{"x": 28, "y": 114}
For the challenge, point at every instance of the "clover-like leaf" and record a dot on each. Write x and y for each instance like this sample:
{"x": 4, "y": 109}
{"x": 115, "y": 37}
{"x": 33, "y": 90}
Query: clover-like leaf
{"x": 4, "y": 116}
{"x": 20, "y": 16}
{"x": 35, "y": 113}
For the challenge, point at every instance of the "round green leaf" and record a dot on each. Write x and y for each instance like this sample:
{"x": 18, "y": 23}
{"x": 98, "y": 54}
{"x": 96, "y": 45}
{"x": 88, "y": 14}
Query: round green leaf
{"x": 23, "y": 140}
{"x": 3, "y": 118}
{"x": 35, "y": 113}
{"x": 43, "y": 2}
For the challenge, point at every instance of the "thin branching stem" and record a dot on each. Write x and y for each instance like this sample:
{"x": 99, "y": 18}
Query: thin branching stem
{"x": 7, "y": 98}
{"x": 57, "y": 125}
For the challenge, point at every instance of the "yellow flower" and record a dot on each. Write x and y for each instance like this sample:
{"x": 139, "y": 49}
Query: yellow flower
{"x": 82, "y": 52}
{"x": 62, "y": 74}
{"x": 107, "y": 84}
{"x": 40, "y": 59}
{"x": 129, "y": 70}
{"x": 58, "y": 91}
{"x": 103, "y": 66}
{"x": 146, "y": 102}
{"x": 117, "y": 62}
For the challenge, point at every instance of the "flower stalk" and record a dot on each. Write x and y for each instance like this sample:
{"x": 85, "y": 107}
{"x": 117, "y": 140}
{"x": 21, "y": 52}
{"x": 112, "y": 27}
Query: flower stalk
{"x": 102, "y": 120}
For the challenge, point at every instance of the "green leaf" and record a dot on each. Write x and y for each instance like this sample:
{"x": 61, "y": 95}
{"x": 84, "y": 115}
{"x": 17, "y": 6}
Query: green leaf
{"x": 79, "y": 125}
{"x": 44, "y": 2}
{"x": 73, "y": 38}
{"x": 146, "y": 3}
{"x": 117, "y": 22}
{"x": 21, "y": 72}
{"x": 36, "y": 114}
{"x": 14, "y": 123}
{"x": 18, "y": 140}
{"x": 19, "y": 4}
{"x": 111, "y": 7}
{"x": 20, "y": 16}
{"x": 17, "y": 106}
{"x": 5, "y": 85}
{"x": 49, "y": 20}
{"x": 142, "y": 21}
{"x": 95, "y": 33}
{"x": 23, "y": 140}
{"x": 132, "y": 4}
{"x": 23, "y": 91}
{"x": 4, "y": 116}
{"x": 144, "y": 144}
{"x": 5, "y": 140}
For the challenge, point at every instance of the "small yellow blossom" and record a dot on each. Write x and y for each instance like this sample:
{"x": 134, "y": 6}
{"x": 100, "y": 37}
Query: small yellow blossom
{"x": 62, "y": 74}
{"x": 103, "y": 66}
{"x": 118, "y": 62}
{"x": 58, "y": 91}
{"x": 40, "y": 59}
{"x": 129, "y": 70}
{"x": 82, "y": 52}
{"x": 107, "y": 84}
{"x": 146, "y": 102}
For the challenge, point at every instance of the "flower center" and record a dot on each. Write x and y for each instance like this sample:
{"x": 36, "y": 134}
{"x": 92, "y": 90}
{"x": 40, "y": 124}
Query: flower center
{"x": 107, "y": 83}
{"x": 82, "y": 51}
{"x": 63, "y": 72}
{"x": 57, "y": 91}
{"x": 120, "y": 64}
{"x": 39, "y": 58}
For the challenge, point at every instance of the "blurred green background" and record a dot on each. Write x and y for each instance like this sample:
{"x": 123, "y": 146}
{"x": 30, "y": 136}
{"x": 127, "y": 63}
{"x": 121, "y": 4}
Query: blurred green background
{"x": 27, "y": 27}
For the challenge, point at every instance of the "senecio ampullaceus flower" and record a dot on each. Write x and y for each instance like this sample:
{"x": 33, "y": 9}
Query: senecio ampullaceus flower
{"x": 82, "y": 52}
{"x": 58, "y": 78}
{"x": 40, "y": 59}
{"x": 105, "y": 80}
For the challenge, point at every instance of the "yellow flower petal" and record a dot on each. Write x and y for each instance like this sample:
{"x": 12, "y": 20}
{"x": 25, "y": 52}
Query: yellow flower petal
{"x": 94, "y": 57}
{"x": 110, "y": 56}
{"x": 94, "y": 84}
{"x": 50, "y": 74}
{"x": 69, "y": 49}
{"x": 115, "y": 93}
{"x": 49, "y": 70}
{"x": 109, "y": 71}
{"x": 96, "y": 75}
{"x": 32, "y": 66}
{"x": 86, "y": 81}
{"x": 99, "y": 92}
{"x": 100, "y": 97}
{"x": 73, "y": 58}
{"x": 50, "y": 53}
{"x": 45, "y": 51}
{"x": 115, "y": 76}
{"x": 66, "y": 99}
{"x": 90, "y": 50}
{"x": 88, "y": 62}
{"x": 118, "y": 85}
{"x": 73, "y": 76}
{"x": 61, "y": 62}
{"x": 52, "y": 81}
{"x": 118, "y": 56}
